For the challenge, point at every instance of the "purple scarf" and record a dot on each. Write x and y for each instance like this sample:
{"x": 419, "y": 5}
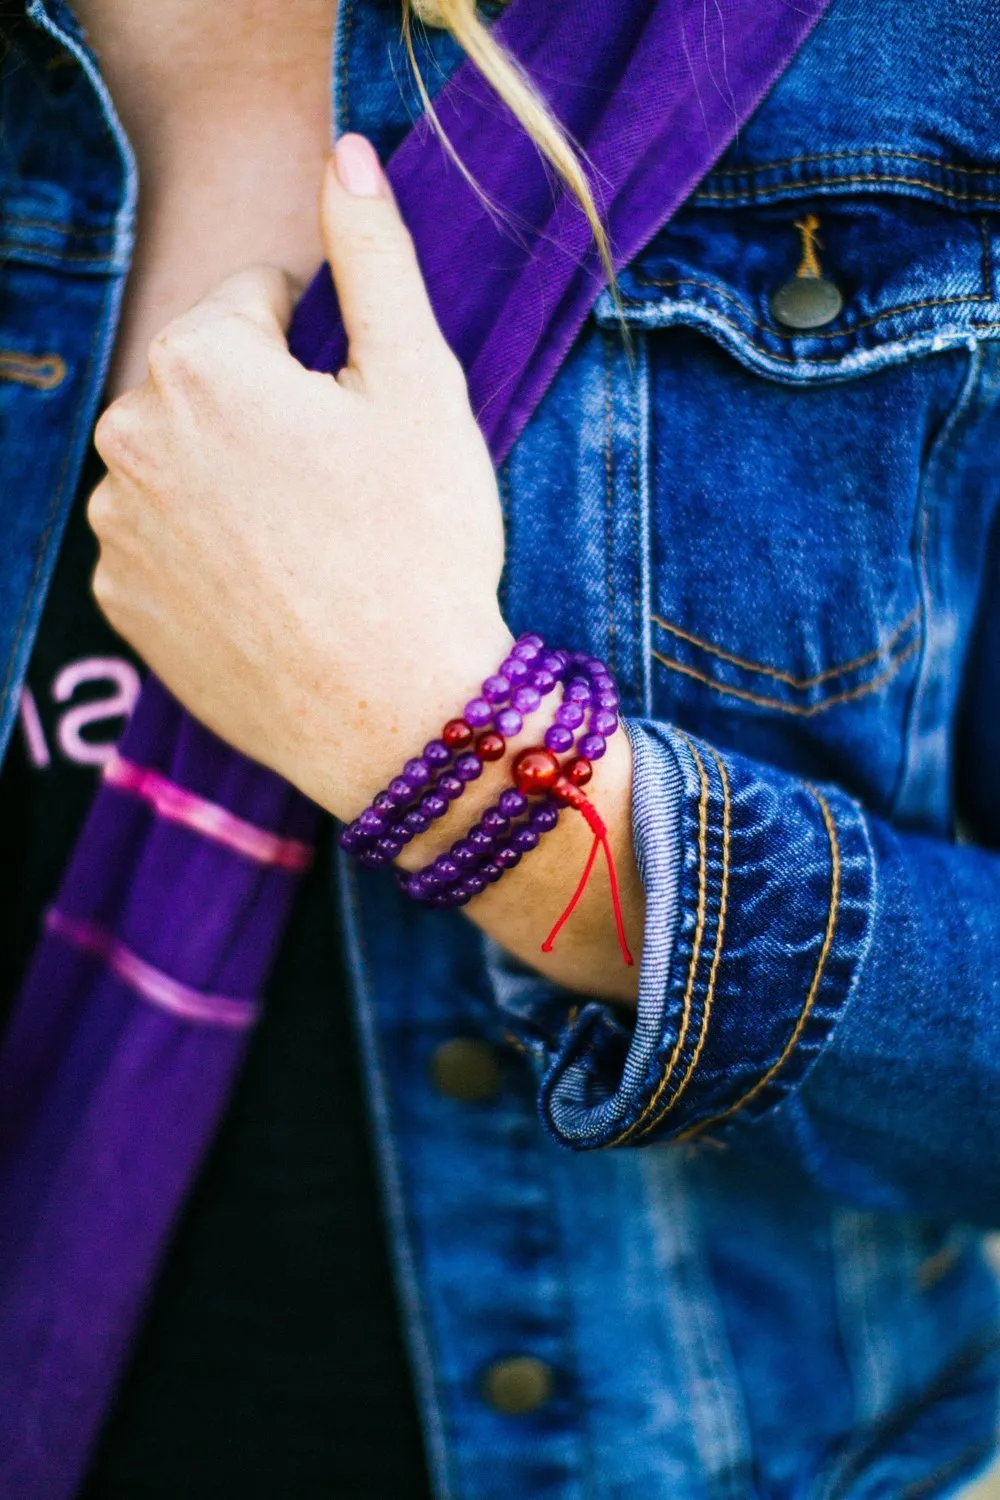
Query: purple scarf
{"x": 137, "y": 1007}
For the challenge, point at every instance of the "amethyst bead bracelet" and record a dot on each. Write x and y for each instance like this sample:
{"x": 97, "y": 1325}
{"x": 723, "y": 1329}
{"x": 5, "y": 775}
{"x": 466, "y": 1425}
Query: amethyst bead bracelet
{"x": 524, "y": 812}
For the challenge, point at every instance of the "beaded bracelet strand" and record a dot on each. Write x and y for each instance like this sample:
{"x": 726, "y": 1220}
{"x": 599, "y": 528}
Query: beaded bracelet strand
{"x": 514, "y": 825}
{"x": 431, "y": 781}
{"x": 451, "y": 878}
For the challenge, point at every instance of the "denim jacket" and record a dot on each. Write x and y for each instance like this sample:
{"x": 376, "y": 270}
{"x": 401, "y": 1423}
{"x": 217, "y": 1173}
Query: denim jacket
{"x": 786, "y": 543}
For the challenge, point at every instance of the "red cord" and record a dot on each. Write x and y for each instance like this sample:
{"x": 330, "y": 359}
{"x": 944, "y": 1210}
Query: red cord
{"x": 595, "y": 822}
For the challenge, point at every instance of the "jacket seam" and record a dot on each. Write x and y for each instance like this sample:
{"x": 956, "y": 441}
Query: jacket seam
{"x": 833, "y": 912}
{"x": 922, "y": 519}
{"x": 780, "y": 333}
{"x": 695, "y": 958}
{"x": 804, "y": 361}
{"x": 868, "y": 179}
{"x": 54, "y": 517}
{"x": 72, "y": 231}
{"x": 720, "y": 932}
{"x": 800, "y": 710}
{"x": 609, "y": 492}
{"x": 854, "y": 155}
{"x": 801, "y": 683}
{"x": 16, "y": 248}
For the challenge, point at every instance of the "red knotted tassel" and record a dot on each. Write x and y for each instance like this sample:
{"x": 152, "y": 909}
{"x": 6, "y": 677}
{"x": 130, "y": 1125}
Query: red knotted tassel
{"x": 537, "y": 770}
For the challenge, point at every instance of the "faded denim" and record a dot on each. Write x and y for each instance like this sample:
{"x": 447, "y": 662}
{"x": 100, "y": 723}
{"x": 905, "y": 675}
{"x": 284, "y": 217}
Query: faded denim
{"x": 788, "y": 548}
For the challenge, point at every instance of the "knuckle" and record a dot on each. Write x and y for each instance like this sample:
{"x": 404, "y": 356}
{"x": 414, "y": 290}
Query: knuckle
{"x": 114, "y": 436}
{"x": 178, "y": 356}
{"x": 99, "y": 511}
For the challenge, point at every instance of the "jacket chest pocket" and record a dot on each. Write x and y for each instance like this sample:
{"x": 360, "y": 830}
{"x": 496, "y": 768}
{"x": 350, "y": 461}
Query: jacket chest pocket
{"x": 737, "y": 519}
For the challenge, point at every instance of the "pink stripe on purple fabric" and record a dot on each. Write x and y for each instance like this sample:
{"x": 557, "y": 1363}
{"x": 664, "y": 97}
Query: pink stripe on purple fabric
{"x": 177, "y": 805}
{"x": 151, "y": 983}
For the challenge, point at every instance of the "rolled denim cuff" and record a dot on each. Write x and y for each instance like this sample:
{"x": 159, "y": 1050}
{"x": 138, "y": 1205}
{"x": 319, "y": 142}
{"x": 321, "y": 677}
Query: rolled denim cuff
{"x": 760, "y": 895}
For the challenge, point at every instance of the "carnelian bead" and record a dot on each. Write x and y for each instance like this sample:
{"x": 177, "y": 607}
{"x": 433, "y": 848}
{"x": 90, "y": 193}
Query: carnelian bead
{"x": 456, "y": 734}
{"x": 490, "y": 746}
{"x": 579, "y": 771}
{"x": 534, "y": 771}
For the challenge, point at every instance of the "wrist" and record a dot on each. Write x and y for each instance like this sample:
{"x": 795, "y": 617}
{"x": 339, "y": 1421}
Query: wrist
{"x": 392, "y": 722}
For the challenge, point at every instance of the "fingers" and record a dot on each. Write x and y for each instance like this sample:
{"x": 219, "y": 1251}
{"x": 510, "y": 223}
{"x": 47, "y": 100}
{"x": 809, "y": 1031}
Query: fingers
{"x": 387, "y": 314}
{"x": 264, "y": 295}
{"x": 256, "y": 302}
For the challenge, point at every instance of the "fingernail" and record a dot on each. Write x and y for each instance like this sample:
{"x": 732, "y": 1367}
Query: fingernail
{"x": 358, "y": 167}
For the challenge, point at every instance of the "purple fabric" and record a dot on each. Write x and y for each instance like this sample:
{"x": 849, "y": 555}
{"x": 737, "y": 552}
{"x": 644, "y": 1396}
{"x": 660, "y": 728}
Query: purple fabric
{"x": 109, "y": 1095}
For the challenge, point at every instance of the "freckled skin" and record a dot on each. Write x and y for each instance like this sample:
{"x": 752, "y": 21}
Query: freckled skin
{"x": 270, "y": 538}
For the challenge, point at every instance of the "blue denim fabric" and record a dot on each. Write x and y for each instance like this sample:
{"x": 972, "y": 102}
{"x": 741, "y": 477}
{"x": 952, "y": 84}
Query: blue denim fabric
{"x": 788, "y": 547}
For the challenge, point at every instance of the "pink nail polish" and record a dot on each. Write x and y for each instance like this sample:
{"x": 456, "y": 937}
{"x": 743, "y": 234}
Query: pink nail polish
{"x": 358, "y": 167}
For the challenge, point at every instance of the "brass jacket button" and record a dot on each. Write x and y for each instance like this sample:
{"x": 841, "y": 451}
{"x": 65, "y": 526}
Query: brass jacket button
{"x": 518, "y": 1385}
{"x": 466, "y": 1069}
{"x": 806, "y": 302}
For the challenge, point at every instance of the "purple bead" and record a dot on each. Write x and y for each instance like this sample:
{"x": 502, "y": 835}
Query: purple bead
{"x": 607, "y": 699}
{"x": 436, "y": 753}
{"x": 604, "y": 722}
{"x": 464, "y": 854}
{"x": 512, "y": 802}
{"x": 515, "y": 671}
{"x": 526, "y": 648}
{"x": 383, "y": 804}
{"x": 490, "y": 870}
{"x": 494, "y": 822}
{"x": 388, "y": 848}
{"x": 526, "y": 699}
{"x": 371, "y": 822}
{"x": 544, "y": 817}
{"x": 570, "y": 715}
{"x": 592, "y": 746}
{"x": 417, "y": 772}
{"x": 544, "y": 682}
{"x": 496, "y": 689}
{"x": 479, "y": 839}
{"x": 433, "y": 805}
{"x": 400, "y": 791}
{"x": 445, "y": 869}
{"x": 401, "y": 833}
{"x": 449, "y": 786}
{"x": 509, "y": 723}
{"x": 530, "y": 638}
{"x": 558, "y": 739}
{"x": 351, "y": 836}
{"x": 427, "y": 883}
{"x": 415, "y": 821}
{"x": 525, "y": 839}
{"x": 472, "y": 885}
{"x": 603, "y": 682}
{"x": 478, "y": 713}
{"x": 468, "y": 767}
{"x": 577, "y": 691}
{"x": 507, "y": 857}
{"x": 553, "y": 661}
{"x": 371, "y": 860}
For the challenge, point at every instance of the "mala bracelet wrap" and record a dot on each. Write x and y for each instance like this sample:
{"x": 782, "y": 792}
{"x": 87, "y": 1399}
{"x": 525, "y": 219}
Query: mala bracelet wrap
{"x": 543, "y": 786}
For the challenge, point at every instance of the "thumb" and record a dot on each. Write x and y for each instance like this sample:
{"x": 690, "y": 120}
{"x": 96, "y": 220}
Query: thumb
{"x": 383, "y": 301}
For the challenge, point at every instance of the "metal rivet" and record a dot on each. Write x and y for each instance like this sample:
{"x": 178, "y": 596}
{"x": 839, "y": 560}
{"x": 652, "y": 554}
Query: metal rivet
{"x": 518, "y": 1385}
{"x": 806, "y": 302}
{"x": 466, "y": 1069}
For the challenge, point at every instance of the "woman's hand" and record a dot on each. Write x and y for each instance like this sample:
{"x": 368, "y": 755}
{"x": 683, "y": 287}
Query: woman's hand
{"x": 310, "y": 564}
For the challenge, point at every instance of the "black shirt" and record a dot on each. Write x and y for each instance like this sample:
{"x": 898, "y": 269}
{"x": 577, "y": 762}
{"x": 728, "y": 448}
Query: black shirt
{"x": 271, "y": 1361}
